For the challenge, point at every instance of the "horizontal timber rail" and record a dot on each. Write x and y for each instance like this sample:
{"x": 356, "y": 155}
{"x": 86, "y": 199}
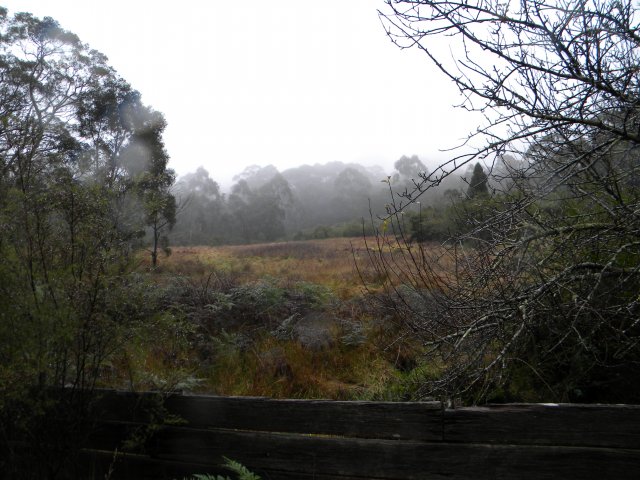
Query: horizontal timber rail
{"x": 168, "y": 437}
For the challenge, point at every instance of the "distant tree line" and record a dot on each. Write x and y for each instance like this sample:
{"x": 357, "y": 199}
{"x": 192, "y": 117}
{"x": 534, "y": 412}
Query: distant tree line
{"x": 310, "y": 201}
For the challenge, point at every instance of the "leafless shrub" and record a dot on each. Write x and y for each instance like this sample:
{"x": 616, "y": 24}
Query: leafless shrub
{"x": 544, "y": 283}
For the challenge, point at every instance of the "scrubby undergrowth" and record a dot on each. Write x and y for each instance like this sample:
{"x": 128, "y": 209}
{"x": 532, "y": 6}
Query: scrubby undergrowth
{"x": 279, "y": 320}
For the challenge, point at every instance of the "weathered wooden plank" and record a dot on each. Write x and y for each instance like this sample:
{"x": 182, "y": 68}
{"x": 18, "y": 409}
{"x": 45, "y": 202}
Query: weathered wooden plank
{"x": 125, "y": 437}
{"x": 411, "y": 421}
{"x": 282, "y": 475}
{"x": 100, "y": 464}
{"x": 550, "y": 424}
{"x": 398, "y": 460}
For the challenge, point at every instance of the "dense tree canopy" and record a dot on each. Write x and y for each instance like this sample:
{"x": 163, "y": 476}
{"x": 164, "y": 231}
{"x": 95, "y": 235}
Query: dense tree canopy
{"x": 83, "y": 175}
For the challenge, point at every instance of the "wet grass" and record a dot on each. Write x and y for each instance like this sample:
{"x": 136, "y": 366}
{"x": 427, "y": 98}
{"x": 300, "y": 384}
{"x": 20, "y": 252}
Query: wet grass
{"x": 226, "y": 309}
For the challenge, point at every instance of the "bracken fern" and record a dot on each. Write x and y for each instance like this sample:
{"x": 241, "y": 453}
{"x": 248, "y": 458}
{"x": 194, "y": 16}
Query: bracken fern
{"x": 240, "y": 470}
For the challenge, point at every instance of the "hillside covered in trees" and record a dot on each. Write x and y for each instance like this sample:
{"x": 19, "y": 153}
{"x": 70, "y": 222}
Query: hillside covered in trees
{"x": 335, "y": 199}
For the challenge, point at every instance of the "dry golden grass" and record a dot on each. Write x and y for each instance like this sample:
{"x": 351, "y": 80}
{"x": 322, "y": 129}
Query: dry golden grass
{"x": 285, "y": 368}
{"x": 328, "y": 262}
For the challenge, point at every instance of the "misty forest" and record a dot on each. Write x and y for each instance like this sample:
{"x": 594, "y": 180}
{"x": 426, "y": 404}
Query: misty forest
{"x": 509, "y": 272}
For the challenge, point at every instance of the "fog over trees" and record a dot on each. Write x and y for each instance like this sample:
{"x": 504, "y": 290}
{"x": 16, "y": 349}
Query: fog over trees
{"x": 510, "y": 272}
{"x": 310, "y": 201}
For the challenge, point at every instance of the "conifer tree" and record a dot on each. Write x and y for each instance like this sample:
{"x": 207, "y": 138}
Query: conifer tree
{"x": 478, "y": 184}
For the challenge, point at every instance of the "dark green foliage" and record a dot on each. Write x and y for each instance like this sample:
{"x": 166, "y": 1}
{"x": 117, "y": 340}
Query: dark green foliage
{"x": 240, "y": 470}
{"x": 82, "y": 175}
{"x": 478, "y": 183}
{"x": 432, "y": 224}
{"x": 217, "y": 305}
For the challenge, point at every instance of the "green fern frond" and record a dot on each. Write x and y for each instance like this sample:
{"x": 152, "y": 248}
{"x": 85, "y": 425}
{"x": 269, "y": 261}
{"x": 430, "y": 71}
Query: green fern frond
{"x": 240, "y": 470}
{"x": 206, "y": 476}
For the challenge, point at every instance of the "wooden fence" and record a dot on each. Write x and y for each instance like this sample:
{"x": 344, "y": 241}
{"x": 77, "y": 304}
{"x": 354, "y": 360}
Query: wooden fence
{"x": 321, "y": 440}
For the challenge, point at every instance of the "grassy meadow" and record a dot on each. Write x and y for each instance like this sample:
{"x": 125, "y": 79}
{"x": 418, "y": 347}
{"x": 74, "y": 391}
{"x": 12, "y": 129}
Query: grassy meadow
{"x": 328, "y": 262}
{"x": 294, "y": 319}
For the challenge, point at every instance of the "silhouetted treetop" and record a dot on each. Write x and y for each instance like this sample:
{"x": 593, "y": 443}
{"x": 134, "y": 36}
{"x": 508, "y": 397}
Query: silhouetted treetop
{"x": 478, "y": 183}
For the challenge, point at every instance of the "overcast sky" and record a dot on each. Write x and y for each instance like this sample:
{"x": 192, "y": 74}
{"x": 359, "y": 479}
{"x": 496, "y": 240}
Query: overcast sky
{"x": 281, "y": 82}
